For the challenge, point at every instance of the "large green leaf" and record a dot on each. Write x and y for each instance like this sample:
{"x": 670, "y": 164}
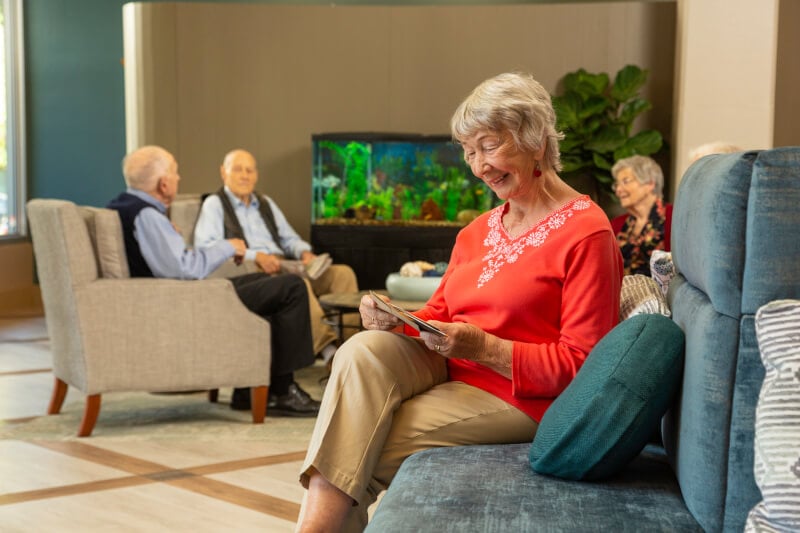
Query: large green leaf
{"x": 585, "y": 83}
{"x": 603, "y": 177}
{"x": 600, "y": 161}
{"x": 567, "y": 108}
{"x": 568, "y": 144}
{"x": 571, "y": 163}
{"x": 594, "y": 105}
{"x": 628, "y": 82}
{"x": 624, "y": 151}
{"x": 593, "y": 124}
{"x": 572, "y": 79}
{"x": 643, "y": 143}
{"x": 607, "y": 139}
{"x": 633, "y": 109}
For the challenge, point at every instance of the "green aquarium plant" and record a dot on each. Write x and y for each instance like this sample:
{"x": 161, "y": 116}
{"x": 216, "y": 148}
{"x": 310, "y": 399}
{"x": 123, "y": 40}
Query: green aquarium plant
{"x": 355, "y": 159}
{"x": 597, "y": 118}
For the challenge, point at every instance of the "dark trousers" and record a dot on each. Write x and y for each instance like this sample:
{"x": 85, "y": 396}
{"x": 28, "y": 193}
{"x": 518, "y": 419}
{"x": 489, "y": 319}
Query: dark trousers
{"x": 283, "y": 301}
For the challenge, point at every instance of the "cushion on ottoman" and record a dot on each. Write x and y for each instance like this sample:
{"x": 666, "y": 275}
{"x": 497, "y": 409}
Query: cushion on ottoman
{"x": 604, "y": 418}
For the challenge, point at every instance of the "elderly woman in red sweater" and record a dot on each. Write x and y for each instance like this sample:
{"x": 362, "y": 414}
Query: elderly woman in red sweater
{"x": 639, "y": 184}
{"x": 531, "y": 287}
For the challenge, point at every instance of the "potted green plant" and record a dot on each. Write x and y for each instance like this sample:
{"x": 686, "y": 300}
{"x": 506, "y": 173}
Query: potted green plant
{"x": 597, "y": 118}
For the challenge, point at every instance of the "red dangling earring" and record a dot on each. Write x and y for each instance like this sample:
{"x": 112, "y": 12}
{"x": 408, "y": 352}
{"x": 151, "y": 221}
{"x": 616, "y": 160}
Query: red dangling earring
{"x": 537, "y": 172}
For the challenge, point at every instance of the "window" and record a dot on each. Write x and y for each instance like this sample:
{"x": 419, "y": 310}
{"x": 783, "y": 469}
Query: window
{"x": 12, "y": 174}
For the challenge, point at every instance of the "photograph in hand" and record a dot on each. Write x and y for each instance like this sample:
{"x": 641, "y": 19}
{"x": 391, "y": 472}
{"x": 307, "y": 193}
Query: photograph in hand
{"x": 416, "y": 323}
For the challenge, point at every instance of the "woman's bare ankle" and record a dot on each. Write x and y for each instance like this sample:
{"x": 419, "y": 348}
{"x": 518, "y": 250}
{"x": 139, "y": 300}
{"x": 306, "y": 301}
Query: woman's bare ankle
{"x": 325, "y": 506}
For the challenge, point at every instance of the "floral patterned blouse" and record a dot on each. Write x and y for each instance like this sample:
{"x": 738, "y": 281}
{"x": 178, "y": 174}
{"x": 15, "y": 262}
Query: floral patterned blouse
{"x": 636, "y": 249}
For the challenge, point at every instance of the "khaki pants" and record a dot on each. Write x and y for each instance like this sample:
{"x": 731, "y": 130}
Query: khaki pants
{"x": 338, "y": 278}
{"x": 388, "y": 397}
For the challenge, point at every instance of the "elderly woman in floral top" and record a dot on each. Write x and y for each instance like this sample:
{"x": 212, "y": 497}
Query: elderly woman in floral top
{"x": 639, "y": 183}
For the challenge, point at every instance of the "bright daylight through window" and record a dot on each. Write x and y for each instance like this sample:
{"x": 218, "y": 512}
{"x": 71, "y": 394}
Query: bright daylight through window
{"x": 11, "y": 167}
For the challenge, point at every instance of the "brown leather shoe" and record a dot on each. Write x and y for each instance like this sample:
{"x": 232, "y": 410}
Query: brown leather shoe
{"x": 296, "y": 402}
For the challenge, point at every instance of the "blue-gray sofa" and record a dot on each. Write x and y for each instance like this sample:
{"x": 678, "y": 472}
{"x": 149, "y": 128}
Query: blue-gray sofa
{"x": 736, "y": 247}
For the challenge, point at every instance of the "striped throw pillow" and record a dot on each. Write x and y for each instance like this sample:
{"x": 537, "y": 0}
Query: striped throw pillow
{"x": 777, "y": 432}
{"x": 641, "y": 295}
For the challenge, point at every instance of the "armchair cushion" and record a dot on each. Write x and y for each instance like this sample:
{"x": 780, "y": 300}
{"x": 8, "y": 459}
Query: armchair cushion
{"x": 604, "y": 418}
{"x": 105, "y": 230}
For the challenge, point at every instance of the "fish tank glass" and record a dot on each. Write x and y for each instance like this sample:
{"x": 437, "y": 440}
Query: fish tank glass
{"x": 391, "y": 178}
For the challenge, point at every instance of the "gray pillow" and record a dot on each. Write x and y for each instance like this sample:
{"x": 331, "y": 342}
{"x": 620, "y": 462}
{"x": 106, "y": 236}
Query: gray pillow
{"x": 777, "y": 435}
{"x": 105, "y": 231}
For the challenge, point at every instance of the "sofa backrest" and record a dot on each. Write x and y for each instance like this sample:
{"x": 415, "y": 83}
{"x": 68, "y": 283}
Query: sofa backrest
{"x": 735, "y": 245}
{"x": 183, "y": 212}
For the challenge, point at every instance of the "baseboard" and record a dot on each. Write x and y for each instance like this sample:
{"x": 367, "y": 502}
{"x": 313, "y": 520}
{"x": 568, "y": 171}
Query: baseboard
{"x": 25, "y": 301}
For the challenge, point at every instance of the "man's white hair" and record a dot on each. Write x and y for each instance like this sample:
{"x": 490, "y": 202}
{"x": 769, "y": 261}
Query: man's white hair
{"x": 227, "y": 163}
{"x": 716, "y": 147}
{"x": 144, "y": 166}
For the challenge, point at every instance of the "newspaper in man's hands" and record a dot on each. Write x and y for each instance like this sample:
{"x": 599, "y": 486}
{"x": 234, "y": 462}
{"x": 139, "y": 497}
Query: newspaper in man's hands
{"x": 313, "y": 270}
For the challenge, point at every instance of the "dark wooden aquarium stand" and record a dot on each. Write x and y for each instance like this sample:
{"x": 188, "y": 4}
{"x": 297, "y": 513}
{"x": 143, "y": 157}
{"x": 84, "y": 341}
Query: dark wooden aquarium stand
{"x": 375, "y": 251}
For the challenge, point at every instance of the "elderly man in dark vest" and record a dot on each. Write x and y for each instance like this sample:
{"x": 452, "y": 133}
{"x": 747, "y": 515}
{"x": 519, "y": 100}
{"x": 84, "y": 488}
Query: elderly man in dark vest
{"x": 156, "y": 249}
{"x": 238, "y": 211}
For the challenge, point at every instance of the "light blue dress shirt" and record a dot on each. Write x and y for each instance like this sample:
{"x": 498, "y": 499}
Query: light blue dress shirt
{"x": 210, "y": 228}
{"x": 164, "y": 249}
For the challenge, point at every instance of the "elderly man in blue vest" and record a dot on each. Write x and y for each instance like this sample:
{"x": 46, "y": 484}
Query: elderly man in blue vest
{"x": 237, "y": 211}
{"x": 156, "y": 249}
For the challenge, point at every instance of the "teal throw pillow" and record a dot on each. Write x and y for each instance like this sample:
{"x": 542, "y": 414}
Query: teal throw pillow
{"x": 607, "y": 414}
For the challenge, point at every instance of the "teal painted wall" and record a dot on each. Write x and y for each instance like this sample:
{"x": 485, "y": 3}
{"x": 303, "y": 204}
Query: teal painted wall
{"x": 75, "y": 106}
{"x": 74, "y": 98}
{"x": 75, "y": 102}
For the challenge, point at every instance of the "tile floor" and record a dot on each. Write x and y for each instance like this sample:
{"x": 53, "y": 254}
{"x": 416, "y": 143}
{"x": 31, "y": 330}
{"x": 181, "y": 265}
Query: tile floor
{"x": 97, "y": 484}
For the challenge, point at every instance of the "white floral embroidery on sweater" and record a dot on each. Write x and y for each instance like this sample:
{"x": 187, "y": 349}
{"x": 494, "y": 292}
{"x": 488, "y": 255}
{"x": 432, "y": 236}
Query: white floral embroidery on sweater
{"x": 504, "y": 250}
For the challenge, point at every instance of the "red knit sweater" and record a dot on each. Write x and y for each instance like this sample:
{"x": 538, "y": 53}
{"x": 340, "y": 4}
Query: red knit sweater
{"x": 554, "y": 291}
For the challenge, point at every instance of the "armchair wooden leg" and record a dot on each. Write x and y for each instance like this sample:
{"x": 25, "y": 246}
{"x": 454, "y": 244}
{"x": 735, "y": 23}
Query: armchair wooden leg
{"x": 258, "y": 402}
{"x": 213, "y": 395}
{"x": 57, "y": 398}
{"x": 89, "y": 415}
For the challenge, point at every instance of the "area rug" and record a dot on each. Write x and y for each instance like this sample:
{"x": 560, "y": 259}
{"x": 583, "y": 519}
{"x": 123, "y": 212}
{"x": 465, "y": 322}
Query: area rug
{"x": 184, "y": 416}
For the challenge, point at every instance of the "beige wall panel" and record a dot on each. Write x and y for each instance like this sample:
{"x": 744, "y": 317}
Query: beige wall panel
{"x": 160, "y": 91}
{"x": 726, "y": 75}
{"x": 787, "y": 82}
{"x": 266, "y": 77}
{"x": 440, "y": 53}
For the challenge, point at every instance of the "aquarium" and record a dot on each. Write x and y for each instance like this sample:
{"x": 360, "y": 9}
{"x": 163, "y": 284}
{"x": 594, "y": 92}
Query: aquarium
{"x": 393, "y": 179}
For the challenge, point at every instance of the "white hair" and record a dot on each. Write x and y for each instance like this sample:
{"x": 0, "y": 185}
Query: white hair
{"x": 144, "y": 166}
{"x": 513, "y": 103}
{"x": 227, "y": 162}
{"x": 645, "y": 170}
{"x": 716, "y": 147}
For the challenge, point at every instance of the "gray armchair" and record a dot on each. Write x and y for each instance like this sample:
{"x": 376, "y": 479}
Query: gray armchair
{"x": 111, "y": 333}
